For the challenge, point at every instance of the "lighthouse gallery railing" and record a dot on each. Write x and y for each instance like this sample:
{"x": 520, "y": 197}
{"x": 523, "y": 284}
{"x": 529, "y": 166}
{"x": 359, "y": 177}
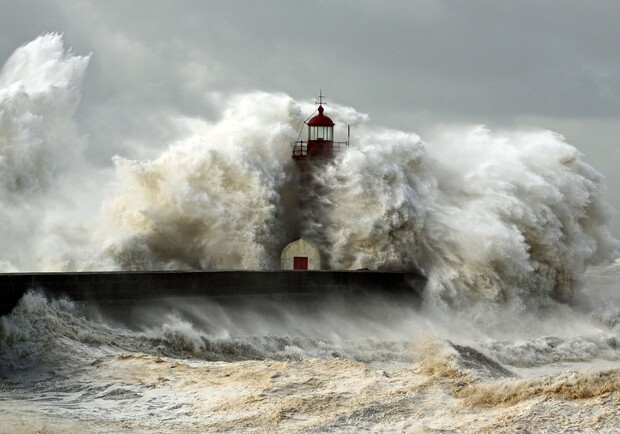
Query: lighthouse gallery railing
{"x": 300, "y": 148}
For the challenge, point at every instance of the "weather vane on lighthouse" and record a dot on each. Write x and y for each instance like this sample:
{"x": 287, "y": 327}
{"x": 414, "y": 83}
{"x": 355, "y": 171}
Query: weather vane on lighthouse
{"x": 321, "y": 98}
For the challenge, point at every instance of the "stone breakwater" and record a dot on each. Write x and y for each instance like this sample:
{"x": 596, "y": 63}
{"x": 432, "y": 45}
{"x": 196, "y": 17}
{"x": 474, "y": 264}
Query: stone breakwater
{"x": 136, "y": 287}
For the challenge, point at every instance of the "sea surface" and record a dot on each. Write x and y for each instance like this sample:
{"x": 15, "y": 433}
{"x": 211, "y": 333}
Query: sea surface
{"x": 197, "y": 367}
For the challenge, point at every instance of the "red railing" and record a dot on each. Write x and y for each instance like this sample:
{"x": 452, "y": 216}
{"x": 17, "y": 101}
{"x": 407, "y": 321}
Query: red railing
{"x": 300, "y": 148}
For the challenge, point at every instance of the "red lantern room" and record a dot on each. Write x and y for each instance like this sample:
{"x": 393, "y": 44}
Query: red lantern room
{"x": 320, "y": 144}
{"x": 320, "y": 134}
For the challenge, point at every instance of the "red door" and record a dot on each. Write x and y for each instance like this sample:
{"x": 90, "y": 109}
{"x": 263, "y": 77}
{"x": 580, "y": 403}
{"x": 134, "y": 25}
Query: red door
{"x": 300, "y": 263}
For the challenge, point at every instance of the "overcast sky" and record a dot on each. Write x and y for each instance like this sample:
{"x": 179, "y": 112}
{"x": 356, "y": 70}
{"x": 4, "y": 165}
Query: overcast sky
{"x": 411, "y": 65}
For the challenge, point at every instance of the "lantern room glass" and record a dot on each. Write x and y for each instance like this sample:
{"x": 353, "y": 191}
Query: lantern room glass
{"x": 321, "y": 133}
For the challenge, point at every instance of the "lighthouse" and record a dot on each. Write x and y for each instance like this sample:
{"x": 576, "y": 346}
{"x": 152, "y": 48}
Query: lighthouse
{"x": 308, "y": 251}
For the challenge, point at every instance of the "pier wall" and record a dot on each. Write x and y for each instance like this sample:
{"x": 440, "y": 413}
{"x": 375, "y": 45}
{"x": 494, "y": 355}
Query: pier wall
{"x": 134, "y": 287}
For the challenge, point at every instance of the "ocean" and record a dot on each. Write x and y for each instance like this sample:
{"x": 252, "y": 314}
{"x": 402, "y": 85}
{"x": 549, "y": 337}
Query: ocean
{"x": 200, "y": 368}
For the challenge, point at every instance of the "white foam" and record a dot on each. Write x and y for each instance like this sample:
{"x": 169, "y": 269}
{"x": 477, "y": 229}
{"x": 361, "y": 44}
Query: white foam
{"x": 487, "y": 215}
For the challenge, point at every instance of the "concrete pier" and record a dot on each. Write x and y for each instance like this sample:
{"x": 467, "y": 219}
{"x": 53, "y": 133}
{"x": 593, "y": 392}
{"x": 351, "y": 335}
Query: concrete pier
{"x": 104, "y": 288}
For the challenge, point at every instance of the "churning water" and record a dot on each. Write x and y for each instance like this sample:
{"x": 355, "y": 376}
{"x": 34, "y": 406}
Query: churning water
{"x": 513, "y": 334}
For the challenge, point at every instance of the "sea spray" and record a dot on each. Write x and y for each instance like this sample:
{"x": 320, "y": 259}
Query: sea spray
{"x": 493, "y": 216}
{"x": 488, "y": 215}
{"x": 43, "y": 175}
{"x": 217, "y": 199}
{"x": 39, "y": 92}
{"x": 526, "y": 214}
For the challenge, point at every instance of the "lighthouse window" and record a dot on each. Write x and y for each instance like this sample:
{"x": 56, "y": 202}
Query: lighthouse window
{"x": 314, "y": 133}
{"x": 321, "y": 133}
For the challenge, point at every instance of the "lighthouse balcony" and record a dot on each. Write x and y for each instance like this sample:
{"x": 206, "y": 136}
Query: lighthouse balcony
{"x": 317, "y": 148}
